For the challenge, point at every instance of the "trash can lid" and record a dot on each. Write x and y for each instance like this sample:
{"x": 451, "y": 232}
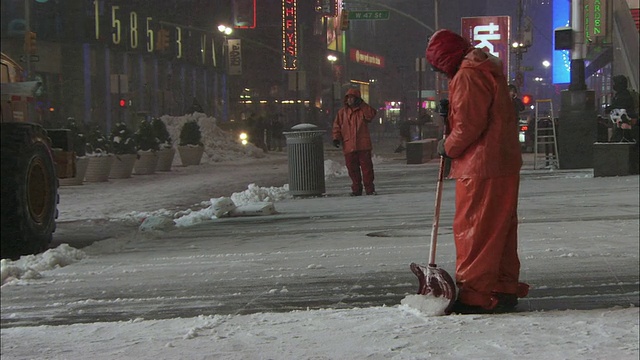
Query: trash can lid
{"x": 304, "y": 126}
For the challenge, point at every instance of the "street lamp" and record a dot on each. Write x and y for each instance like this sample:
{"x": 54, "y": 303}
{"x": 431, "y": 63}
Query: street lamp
{"x": 332, "y": 59}
{"x": 226, "y": 31}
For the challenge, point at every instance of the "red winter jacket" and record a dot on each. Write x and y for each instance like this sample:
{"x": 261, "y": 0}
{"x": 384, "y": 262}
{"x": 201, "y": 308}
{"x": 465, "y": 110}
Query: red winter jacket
{"x": 483, "y": 139}
{"x": 351, "y": 125}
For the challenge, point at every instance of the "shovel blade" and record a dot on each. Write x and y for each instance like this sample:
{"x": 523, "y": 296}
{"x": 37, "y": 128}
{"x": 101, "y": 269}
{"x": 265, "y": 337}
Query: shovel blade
{"x": 435, "y": 281}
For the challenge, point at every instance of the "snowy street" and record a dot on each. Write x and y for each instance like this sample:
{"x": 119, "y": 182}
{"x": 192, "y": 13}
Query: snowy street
{"x": 578, "y": 248}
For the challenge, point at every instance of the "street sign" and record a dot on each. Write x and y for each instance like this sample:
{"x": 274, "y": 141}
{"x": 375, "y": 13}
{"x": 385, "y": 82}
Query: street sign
{"x": 369, "y": 15}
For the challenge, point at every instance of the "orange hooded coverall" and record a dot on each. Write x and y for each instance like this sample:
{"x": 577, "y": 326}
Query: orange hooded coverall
{"x": 351, "y": 128}
{"x": 486, "y": 160}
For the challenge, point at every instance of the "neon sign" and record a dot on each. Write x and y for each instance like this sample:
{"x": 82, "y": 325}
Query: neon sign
{"x": 595, "y": 20}
{"x": 290, "y": 34}
{"x": 365, "y": 58}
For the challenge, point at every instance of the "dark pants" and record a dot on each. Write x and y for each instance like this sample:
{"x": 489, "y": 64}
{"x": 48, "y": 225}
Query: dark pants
{"x": 360, "y": 169}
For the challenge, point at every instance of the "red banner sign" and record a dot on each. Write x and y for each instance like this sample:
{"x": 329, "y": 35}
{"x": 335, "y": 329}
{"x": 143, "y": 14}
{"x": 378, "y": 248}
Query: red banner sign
{"x": 365, "y": 58}
{"x": 490, "y": 33}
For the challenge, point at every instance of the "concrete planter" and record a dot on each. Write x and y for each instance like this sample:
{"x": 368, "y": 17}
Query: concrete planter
{"x": 81, "y": 170}
{"x": 122, "y": 166}
{"x": 146, "y": 163}
{"x": 98, "y": 168}
{"x": 615, "y": 159}
{"x": 165, "y": 159}
{"x": 190, "y": 154}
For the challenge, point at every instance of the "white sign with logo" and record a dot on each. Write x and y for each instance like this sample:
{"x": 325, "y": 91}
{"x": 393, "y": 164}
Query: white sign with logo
{"x": 234, "y": 56}
{"x": 490, "y": 33}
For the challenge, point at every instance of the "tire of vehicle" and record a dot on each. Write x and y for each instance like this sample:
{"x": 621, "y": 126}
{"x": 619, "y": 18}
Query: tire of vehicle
{"x": 29, "y": 190}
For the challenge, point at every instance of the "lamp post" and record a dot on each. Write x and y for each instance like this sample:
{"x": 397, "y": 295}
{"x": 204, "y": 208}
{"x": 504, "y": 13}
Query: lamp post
{"x": 518, "y": 48}
{"x": 332, "y": 59}
{"x": 226, "y": 31}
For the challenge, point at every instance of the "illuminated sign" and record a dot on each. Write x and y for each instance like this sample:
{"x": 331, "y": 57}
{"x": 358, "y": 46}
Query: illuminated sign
{"x": 561, "y": 60}
{"x": 490, "y": 33}
{"x": 365, "y": 58}
{"x": 595, "y": 20}
{"x": 289, "y": 34}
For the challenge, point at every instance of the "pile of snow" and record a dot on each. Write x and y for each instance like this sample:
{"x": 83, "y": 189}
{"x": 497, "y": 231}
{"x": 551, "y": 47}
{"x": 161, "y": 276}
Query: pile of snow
{"x": 427, "y": 305}
{"x": 219, "y": 145}
{"x": 30, "y": 266}
{"x": 205, "y": 210}
{"x": 255, "y": 194}
{"x": 219, "y": 207}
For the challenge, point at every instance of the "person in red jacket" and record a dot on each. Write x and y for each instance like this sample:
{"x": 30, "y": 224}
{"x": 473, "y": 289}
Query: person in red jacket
{"x": 485, "y": 161}
{"x": 350, "y": 128}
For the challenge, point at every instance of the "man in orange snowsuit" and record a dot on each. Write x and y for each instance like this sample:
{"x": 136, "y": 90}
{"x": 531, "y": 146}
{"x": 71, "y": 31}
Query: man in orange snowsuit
{"x": 485, "y": 160}
{"x": 351, "y": 128}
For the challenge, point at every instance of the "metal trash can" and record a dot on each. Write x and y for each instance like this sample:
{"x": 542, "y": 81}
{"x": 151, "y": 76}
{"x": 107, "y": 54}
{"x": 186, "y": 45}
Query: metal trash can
{"x": 305, "y": 153}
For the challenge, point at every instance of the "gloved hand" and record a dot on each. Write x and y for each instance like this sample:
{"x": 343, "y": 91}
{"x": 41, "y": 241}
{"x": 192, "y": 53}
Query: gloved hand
{"x": 440, "y": 149}
{"x": 336, "y": 143}
{"x": 443, "y": 108}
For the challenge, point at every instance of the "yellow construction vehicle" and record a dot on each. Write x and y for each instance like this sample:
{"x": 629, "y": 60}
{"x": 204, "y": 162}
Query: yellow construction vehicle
{"x": 29, "y": 181}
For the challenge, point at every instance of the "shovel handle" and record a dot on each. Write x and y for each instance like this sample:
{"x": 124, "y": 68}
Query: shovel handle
{"x": 438, "y": 201}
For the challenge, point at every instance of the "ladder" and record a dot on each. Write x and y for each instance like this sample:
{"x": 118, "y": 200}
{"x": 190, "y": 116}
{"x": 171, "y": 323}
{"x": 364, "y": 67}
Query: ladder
{"x": 545, "y": 143}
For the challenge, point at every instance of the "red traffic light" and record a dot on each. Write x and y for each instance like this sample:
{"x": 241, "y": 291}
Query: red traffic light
{"x": 122, "y": 103}
{"x": 527, "y": 99}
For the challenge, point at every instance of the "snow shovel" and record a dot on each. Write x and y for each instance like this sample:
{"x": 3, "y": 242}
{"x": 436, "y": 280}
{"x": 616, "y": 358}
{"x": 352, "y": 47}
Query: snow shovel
{"x": 432, "y": 279}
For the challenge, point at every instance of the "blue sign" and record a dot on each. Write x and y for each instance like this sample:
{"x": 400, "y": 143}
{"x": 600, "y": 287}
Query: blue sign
{"x": 561, "y": 58}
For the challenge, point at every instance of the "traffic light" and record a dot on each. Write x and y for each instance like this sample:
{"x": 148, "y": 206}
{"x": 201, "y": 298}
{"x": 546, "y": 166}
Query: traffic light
{"x": 344, "y": 20}
{"x": 527, "y": 100}
{"x": 122, "y": 103}
{"x": 30, "y": 42}
{"x": 163, "y": 40}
